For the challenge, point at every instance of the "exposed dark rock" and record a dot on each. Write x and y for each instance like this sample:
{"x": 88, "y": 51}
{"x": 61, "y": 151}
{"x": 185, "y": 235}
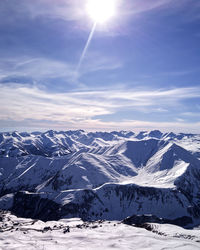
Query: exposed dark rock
{"x": 66, "y": 230}
{"x": 33, "y": 206}
{"x": 139, "y": 220}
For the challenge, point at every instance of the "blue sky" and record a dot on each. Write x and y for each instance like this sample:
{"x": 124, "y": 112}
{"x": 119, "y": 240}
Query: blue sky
{"x": 141, "y": 70}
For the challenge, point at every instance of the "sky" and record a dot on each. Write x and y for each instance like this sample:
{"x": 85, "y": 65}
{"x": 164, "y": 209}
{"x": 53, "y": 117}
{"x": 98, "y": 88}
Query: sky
{"x": 141, "y": 70}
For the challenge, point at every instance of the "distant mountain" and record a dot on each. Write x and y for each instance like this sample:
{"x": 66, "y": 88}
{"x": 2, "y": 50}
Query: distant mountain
{"x": 100, "y": 175}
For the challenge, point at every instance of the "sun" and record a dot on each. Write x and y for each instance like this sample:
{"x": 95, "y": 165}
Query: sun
{"x": 101, "y": 11}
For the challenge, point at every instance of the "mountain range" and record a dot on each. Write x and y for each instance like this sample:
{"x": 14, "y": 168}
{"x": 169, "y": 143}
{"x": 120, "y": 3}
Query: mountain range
{"x": 101, "y": 175}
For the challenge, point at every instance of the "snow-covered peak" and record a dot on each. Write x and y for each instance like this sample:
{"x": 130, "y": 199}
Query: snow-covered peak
{"x": 114, "y": 173}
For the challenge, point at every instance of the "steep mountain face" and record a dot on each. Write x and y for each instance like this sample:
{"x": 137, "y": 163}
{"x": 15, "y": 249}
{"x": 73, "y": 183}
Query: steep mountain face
{"x": 139, "y": 152}
{"x": 100, "y": 175}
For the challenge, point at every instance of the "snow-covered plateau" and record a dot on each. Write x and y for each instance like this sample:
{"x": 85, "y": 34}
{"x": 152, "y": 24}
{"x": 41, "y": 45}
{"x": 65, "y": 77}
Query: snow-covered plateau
{"x": 51, "y": 178}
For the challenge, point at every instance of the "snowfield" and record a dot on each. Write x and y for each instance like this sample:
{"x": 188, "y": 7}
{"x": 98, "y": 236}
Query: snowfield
{"x": 31, "y": 234}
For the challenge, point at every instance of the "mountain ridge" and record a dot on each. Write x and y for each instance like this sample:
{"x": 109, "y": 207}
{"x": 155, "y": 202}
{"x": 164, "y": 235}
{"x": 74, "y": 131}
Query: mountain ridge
{"x": 97, "y": 171}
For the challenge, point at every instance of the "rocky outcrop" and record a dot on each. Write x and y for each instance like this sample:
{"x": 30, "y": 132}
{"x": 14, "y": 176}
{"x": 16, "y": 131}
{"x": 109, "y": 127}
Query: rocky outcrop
{"x": 139, "y": 220}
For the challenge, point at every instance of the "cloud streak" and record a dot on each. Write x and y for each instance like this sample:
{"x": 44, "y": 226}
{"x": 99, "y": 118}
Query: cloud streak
{"x": 72, "y": 10}
{"x": 19, "y": 103}
{"x": 37, "y": 68}
{"x": 44, "y": 69}
{"x": 69, "y": 10}
{"x": 138, "y": 7}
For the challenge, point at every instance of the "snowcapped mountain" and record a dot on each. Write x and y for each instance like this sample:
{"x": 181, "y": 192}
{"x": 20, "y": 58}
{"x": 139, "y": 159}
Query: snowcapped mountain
{"x": 100, "y": 175}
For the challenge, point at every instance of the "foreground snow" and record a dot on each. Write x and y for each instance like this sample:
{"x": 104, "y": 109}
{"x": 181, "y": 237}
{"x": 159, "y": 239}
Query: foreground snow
{"x": 18, "y": 233}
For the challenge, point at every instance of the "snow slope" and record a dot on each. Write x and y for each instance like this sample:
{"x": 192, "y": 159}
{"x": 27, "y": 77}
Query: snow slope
{"x": 19, "y": 233}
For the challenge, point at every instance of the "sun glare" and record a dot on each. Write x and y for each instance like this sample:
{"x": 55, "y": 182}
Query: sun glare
{"x": 101, "y": 10}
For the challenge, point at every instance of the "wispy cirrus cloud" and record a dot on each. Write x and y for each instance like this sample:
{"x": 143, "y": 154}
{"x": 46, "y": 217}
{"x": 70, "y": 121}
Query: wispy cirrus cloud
{"x": 20, "y": 103}
{"x": 138, "y": 7}
{"x": 191, "y": 114}
{"x": 36, "y": 68}
{"x": 73, "y": 10}
{"x": 97, "y": 62}
{"x": 69, "y": 10}
{"x": 44, "y": 69}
